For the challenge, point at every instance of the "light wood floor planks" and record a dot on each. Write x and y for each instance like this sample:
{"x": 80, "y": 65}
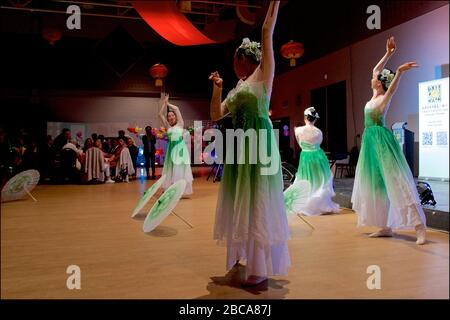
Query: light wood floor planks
{"x": 90, "y": 226}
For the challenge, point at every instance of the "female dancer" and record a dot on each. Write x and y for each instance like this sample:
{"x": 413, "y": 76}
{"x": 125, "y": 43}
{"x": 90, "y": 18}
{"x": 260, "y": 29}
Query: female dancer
{"x": 177, "y": 162}
{"x": 314, "y": 167}
{"x": 384, "y": 194}
{"x": 250, "y": 214}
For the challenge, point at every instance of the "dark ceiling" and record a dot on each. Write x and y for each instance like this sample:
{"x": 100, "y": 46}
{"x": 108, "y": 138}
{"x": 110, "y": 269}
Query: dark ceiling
{"x": 115, "y": 48}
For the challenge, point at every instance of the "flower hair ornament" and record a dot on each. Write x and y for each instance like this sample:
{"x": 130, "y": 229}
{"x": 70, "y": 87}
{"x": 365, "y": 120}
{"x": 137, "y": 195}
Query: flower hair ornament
{"x": 251, "y": 48}
{"x": 386, "y": 76}
{"x": 311, "y": 111}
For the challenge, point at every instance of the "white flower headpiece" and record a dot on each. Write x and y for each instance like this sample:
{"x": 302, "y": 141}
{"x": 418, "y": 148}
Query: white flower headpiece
{"x": 252, "y": 48}
{"x": 311, "y": 111}
{"x": 386, "y": 76}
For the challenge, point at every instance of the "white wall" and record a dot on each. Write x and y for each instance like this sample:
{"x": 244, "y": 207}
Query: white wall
{"x": 107, "y": 112}
{"x": 424, "y": 39}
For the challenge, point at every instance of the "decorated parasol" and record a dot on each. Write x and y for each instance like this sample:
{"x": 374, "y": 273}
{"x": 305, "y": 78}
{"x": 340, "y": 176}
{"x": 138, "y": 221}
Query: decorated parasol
{"x": 296, "y": 196}
{"x": 164, "y": 206}
{"x": 148, "y": 194}
{"x": 20, "y": 185}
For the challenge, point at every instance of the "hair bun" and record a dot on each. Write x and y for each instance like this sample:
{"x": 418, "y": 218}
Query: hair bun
{"x": 311, "y": 111}
{"x": 386, "y": 76}
{"x": 251, "y": 48}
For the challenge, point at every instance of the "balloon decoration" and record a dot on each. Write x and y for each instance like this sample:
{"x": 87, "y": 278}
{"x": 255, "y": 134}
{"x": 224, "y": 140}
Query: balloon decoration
{"x": 160, "y": 133}
{"x": 158, "y": 72}
{"x": 79, "y": 137}
{"x": 51, "y": 35}
{"x": 292, "y": 51}
{"x": 135, "y": 130}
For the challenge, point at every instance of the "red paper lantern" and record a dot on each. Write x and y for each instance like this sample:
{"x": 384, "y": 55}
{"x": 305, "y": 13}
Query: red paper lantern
{"x": 51, "y": 35}
{"x": 245, "y": 15}
{"x": 159, "y": 72}
{"x": 292, "y": 51}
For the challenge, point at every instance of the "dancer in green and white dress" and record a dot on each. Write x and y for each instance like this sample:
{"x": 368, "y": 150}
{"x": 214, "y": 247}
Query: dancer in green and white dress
{"x": 384, "y": 193}
{"x": 314, "y": 168}
{"x": 250, "y": 215}
{"x": 177, "y": 162}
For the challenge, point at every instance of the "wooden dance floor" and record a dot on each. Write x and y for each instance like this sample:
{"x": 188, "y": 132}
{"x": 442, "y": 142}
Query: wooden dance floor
{"x": 90, "y": 226}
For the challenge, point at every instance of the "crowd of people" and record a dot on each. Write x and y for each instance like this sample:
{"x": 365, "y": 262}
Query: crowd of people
{"x": 61, "y": 159}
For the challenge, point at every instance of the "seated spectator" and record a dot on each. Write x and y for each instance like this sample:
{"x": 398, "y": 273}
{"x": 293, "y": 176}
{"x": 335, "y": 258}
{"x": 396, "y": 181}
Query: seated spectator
{"x": 72, "y": 146}
{"x": 99, "y": 145}
{"x": 121, "y": 161}
{"x": 134, "y": 150}
{"x": 89, "y": 143}
{"x": 105, "y": 145}
{"x": 112, "y": 145}
{"x": 5, "y": 156}
{"x": 121, "y": 134}
{"x": 62, "y": 139}
{"x": 47, "y": 158}
{"x": 31, "y": 157}
{"x": 115, "y": 154}
{"x": 94, "y": 166}
{"x": 20, "y": 146}
{"x": 124, "y": 167}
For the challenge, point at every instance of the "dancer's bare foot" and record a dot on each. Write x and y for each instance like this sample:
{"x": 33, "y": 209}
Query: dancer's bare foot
{"x": 385, "y": 232}
{"x": 421, "y": 234}
{"x": 253, "y": 281}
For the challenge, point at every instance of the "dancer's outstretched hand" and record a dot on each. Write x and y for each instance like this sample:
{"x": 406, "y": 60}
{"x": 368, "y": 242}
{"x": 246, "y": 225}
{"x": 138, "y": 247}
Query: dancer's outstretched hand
{"x": 407, "y": 66}
{"x": 164, "y": 98}
{"x": 390, "y": 45}
{"x": 216, "y": 78}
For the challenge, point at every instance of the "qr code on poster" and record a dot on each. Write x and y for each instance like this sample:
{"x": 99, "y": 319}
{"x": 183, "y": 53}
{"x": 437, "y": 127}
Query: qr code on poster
{"x": 441, "y": 138}
{"x": 427, "y": 138}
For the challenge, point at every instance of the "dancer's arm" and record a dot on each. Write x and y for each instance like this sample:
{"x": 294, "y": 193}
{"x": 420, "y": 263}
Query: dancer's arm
{"x": 394, "y": 84}
{"x": 267, "y": 59}
{"x": 218, "y": 109}
{"x": 176, "y": 110}
{"x": 162, "y": 112}
{"x": 390, "y": 49}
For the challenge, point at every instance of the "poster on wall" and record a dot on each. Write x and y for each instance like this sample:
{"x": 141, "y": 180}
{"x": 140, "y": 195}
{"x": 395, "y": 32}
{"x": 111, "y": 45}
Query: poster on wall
{"x": 433, "y": 129}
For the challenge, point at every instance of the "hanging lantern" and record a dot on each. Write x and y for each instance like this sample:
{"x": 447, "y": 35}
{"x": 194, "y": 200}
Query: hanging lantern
{"x": 51, "y": 35}
{"x": 245, "y": 14}
{"x": 292, "y": 51}
{"x": 159, "y": 72}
